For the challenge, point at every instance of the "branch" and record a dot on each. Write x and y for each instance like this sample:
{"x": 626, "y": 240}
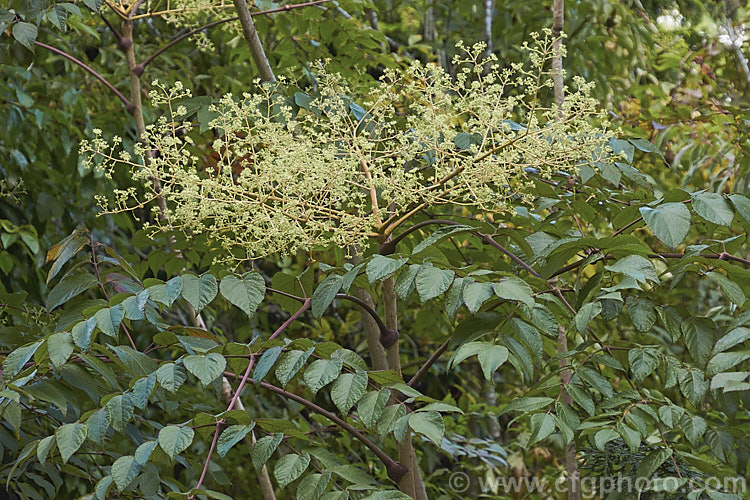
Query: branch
{"x": 426, "y": 366}
{"x": 253, "y": 41}
{"x": 87, "y": 68}
{"x": 388, "y": 336}
{"x": 245, "y": 377}
{"x": 180, "y": 38}
{"x": 395, "y": 470}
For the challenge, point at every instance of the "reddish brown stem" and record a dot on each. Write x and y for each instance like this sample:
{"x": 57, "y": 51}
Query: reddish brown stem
{"x": 87, "y": 68}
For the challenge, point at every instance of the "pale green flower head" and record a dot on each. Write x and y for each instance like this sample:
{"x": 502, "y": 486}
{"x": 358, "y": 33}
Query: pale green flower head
{"x": 340, "y": 169}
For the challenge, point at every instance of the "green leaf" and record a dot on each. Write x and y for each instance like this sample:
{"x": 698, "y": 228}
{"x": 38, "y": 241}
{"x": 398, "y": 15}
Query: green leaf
{"x": 714, "y": 208}
{"x": 699, "y": 339}
{"x": 670, "y": 222}
{"x": 387, "y": 421}
{"x": 290, "y": 467}
{"x": 725, "y": 360}
{"x": 466, "y": 351}
{"x": 321, "y": 373}
{"x": 653, "y": 460}
{"x": 264, "y": 448}
{"x": 144, "y": 451}
{"x": 542, "y": 425}
{"x": 207, "y": 368}
{"x": 81, "y": 333}
{"x": 266, "y": 362}
{"x": 69, "y": 438}
{"x": 348, "y": 389}
{"x": 381, "y": 267}
{"x": 199, "y": 291}
{"x": 135, "y": 305}
{"x": 637, "y": 267}
{"x": 694, "y": 427}
{"x": 124, "y": 470}
{"x": 231, "y": 436}
{"x": 108, "y": 319}
{"x": 742, "y": 204}
{"x": 98, "y": 424}
{"x": 246, "y": 293}
{"x": 171, "y": 376}
{"x": 720, "y": 442}
{"x": 643, "y": 362}
{"x": 120, "y": 410}
{"x": 512, "y": 288}
{"x": 642, "y": 312}
{"x": 491, "y": 358}
{"x": 60, "y": 347}
{"x": 313, "y": 486}
{"x": 527, "y": 404}
{"x": 174, "y": 439}
{"x": 630, "y": 436}
{"x": 69, "y": 287}
{"x": 430, "y": 424}
{"x": 325, "y": 293}
{"x": 585, "y": 314}
{"x": 621, "y": 147}
{"x": 728, "y": 381}
{"x": 438, "y": 235}
{"x": 432, "y": 282}
{"x": 371, "y": 406}
{"x": 63, "y": 252}
{"x": 645, "y": 146}
{"x": 43, "y": 449}
{"x": 101, "y": 490}
{"x": 604, "y": 436}
{"x": 474, "y": 295}
{"x": 166, "y": 293}
{"x": 729, "y": 287}
{"x": 16, "y": 359}
{"x": 735, "y": 337}
{"x": 142, "y": 390}
{"x": 25, "y": 33}
{"x": 290, "y": 363}
{"x": 595, "y": 380}
{"x": 693, "y": 385}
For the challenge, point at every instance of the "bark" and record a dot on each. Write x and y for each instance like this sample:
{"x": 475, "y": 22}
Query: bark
{"x": 571, "y": 458}
{"x": 264, "y": 479}
{"x": 558, "y": 9}
{"x": 256, "y": 48}
{"x": 411, "y": 484}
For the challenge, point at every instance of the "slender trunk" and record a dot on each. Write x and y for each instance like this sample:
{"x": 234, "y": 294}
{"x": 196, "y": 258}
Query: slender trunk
{"x": 558, "y": 10}
{"x": 571, "y": 459}
{"x": 256, "y": 48}
{"x": 411, "y": 484}
{"x": 736, "y": 39}
{"x": 489, "y": 10}
{"x": 370, "y": 327}
{"x": 137, "y": 103}
{"x": 264, "y": 479}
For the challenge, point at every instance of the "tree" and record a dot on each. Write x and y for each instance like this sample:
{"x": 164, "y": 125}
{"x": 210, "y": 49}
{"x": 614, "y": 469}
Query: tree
{"x": 391, "y": 271}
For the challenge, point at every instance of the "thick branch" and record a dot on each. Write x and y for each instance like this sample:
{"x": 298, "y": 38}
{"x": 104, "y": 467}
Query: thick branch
{"x": 180, "y": 38}
{"x": 251, "y": 35}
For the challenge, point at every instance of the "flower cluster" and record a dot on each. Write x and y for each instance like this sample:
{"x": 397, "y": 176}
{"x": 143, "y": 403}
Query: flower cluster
{"x": 326, "y": 170}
